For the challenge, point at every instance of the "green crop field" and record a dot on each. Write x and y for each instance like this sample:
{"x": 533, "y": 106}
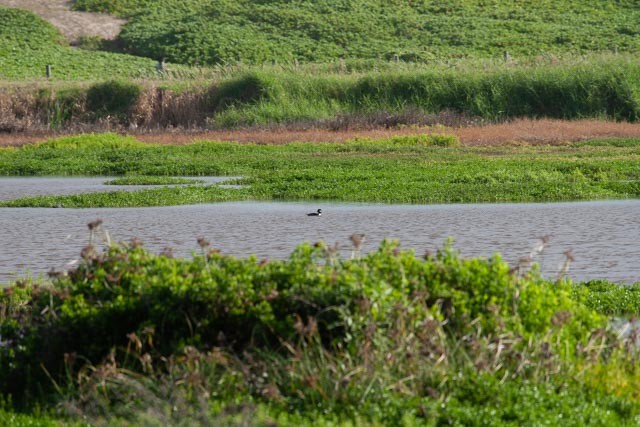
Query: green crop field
{"x": 28, "y": 44}
{"x": 222, "y": 32}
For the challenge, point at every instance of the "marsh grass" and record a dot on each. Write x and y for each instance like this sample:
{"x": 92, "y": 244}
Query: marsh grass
{"x": 411, "y": 169}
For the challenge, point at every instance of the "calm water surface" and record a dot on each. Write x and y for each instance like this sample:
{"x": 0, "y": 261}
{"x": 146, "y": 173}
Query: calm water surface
{"x": 604, "y": 236}
{"x": 18, "y": 187}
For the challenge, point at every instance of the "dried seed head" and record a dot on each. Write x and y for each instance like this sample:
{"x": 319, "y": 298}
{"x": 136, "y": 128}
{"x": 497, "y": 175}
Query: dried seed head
{"x": 203, "y": 243}
{"x": 545, "y": 350}
{"x": 561, "y": 318}
{"x": 70, "y": 359}
{"x": 357, "y": 239}
{"x": 569, "y": 255}
{"x": 94, "y": 225}
{"x": 89, "y": 252}
{"x": 54, "y": 274}
{"x": 167, "y": 252}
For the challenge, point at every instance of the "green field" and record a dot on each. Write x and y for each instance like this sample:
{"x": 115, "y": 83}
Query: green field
{"x": 412, "y": 169}
{"x": 223, "y": 32}
{"x": 28, "y": 44}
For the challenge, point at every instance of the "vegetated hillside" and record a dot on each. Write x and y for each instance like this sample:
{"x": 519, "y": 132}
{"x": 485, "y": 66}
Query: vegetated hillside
{"x": 28, "y": 44}
{"x": 247, "y": 31}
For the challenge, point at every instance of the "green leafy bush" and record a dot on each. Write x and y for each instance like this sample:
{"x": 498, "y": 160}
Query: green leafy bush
{"x": 385, "y": 337}
{"x": 113, "y": 98}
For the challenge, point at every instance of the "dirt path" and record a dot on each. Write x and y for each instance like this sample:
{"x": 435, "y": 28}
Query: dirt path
{"x": 71, "y": 24}
{"x": 534, "y": 132}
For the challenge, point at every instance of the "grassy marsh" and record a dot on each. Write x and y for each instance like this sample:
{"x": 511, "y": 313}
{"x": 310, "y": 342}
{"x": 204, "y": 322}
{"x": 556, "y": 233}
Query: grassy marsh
{"x": 409, "y": 169}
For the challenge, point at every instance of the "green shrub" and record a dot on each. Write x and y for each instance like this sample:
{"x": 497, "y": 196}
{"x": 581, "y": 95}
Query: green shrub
{"x": 113, "y": 98}
{"x": 196, "y": 302}
{"x": 384, "y": 337}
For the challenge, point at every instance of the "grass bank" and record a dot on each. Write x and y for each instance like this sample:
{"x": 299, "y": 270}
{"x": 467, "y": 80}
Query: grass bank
{"x": 409, "y": 169}
{"x": 386, "y": 95}
{"x": 384, "y": 338}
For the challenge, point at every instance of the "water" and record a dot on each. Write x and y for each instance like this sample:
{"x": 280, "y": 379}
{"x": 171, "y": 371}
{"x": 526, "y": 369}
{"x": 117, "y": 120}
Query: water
{"x": 604, "y": 236}
{"x": 18, "y": 187}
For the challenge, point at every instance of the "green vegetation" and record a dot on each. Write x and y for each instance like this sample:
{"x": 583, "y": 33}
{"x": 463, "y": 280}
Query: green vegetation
{"x": 152, "y": 180}
{"x": 383, "y": 338}
{"x": 412, "y": 169}
{"x": 601, "y": 87}
{"x": 223, "y": 32}
{"x": 28, "y": 44}
{"x": 605, "y": 88}
{"x": 611, "y": 299}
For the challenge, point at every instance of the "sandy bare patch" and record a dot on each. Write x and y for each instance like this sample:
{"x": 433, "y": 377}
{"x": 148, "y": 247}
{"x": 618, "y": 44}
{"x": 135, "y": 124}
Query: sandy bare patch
{"x": 71, "y": 24}
{"x": 522, "y": 131}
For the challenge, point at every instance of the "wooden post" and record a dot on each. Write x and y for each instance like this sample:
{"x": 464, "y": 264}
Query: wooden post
{"x": 506, "y": 56}
{"x": 48, "y": 71}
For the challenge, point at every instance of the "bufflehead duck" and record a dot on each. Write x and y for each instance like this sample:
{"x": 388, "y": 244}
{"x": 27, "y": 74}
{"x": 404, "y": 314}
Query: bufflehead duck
{"x": 318, "y": 213}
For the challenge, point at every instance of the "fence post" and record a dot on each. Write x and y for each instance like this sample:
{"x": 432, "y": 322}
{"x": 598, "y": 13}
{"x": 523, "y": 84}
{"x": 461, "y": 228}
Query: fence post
{"x": 48, "y": 71}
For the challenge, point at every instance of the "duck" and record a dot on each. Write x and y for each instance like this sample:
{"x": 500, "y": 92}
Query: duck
{"x": 317, "y": 213}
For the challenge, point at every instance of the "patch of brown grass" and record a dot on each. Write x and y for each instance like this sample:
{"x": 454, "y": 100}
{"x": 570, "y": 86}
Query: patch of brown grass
{"x": 521, "y": 131}
{"x": 545, "y": 131}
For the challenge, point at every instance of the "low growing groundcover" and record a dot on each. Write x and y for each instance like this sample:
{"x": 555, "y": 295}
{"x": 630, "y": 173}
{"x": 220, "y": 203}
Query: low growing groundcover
{"x": 421, "y": 168}
{"x": 386, "y": 338}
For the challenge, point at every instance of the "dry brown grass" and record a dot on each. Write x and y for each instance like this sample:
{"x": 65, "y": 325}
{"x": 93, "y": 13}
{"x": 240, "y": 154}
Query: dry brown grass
{"x": 522, "y": 131}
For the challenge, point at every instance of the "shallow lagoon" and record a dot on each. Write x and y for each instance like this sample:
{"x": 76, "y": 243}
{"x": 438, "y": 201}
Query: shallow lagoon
{"x": 604, "y": 236}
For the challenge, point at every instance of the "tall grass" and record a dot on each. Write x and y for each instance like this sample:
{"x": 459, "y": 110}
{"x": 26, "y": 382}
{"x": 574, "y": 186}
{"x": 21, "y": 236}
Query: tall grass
{"x": 606, "y": 87}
